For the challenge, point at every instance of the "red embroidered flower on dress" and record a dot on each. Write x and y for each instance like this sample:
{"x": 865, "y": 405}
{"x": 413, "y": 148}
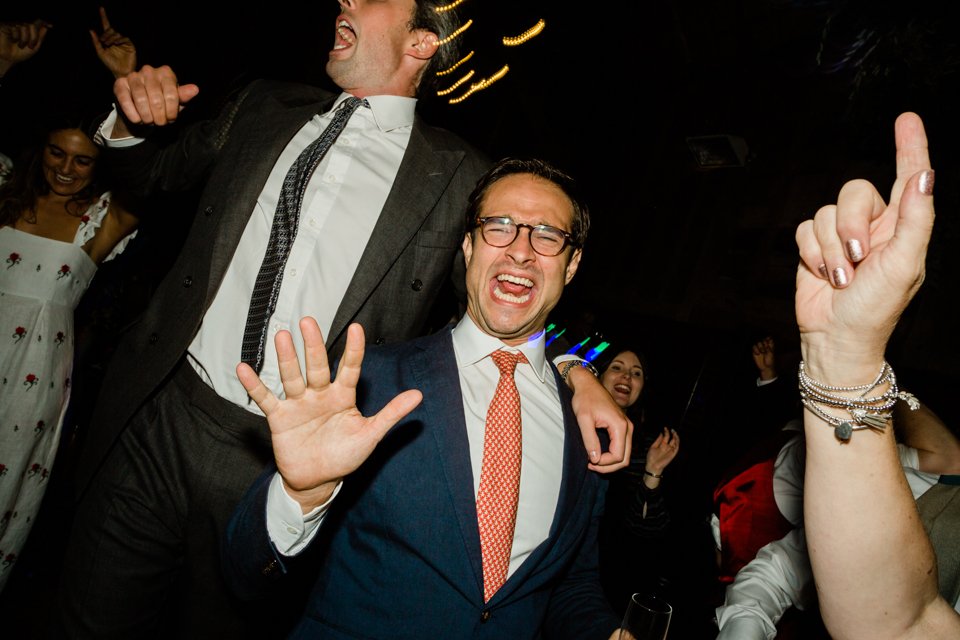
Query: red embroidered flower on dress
{"x": 30, "y": 381}
{"x": 64, "y": 271}
{"x": 84, "y": 219}
{"x": 19, "y": 334}
{"x": 14, "y": 259}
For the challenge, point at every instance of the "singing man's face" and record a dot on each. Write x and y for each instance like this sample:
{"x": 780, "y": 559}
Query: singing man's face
{"x": 511, "y": 290}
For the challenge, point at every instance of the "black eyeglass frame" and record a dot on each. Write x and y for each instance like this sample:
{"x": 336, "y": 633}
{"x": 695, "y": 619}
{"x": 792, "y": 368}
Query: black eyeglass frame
{"x": 567, "y": 237}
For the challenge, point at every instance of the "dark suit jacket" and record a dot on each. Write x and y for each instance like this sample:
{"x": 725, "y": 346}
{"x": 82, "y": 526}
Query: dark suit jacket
{"x": 410, "y": 255}
{"x": 400, "y": 547}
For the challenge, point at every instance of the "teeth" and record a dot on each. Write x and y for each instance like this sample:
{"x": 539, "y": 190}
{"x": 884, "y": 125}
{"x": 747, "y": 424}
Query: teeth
{"x": 526, "y": 282}
{"x": 65, "y": 179}
{"x": 507, "y": 297}
{"x": 622, "y": 388}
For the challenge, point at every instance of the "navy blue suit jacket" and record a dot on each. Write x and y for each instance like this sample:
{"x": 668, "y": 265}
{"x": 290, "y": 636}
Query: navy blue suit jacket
{"x": 399, "y": 550}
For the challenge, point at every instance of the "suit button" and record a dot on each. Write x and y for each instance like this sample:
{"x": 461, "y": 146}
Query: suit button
{"x": 379, "y": 340}
{"x": 154, "y": 338}
{"x": 208, "y": 210}
{"x": 187, "y": 281}
{"x": 484, "y": 616}
{"x": 417, "y": 284}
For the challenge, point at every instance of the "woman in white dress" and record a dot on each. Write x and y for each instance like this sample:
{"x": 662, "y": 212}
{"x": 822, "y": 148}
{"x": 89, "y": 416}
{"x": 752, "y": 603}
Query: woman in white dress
{"x": 56, "y": 226}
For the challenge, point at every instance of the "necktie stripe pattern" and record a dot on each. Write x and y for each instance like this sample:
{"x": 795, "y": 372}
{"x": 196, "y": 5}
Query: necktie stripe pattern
{"x": 500, "y": 475}
{"x": 286, "y": 221}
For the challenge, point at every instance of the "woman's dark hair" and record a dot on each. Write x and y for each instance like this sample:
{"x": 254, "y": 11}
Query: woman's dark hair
{"x": 27, "y": 183}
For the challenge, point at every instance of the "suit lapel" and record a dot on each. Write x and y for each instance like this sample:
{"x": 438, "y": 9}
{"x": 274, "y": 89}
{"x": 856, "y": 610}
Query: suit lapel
{"x": 252, "y": 158}
{"x": 435, "y": 369}
{"x": 424, "y": 174}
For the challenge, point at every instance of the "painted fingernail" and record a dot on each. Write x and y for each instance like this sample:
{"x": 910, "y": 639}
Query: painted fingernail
{"x": 594, "y": 457}
{"x": 839, "y": 276}
{"x": 823, "y": 271}
{"x": 926, "y": 182}
{"x": 854, "y": 250}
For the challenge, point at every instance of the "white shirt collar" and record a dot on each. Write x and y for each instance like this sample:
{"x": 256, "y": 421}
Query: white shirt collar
{"x": 389, "y": 112}
{"x": 473, "y": 345}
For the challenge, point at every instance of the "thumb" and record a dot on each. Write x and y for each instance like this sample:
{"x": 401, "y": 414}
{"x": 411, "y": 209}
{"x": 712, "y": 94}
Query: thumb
{"x": 395, "y": 411}
{"x": 96, "y": 42}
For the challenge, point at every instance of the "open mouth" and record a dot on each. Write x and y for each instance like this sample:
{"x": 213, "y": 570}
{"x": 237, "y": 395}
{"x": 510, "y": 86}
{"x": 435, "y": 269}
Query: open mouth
{"x": 510, "y": 288}
{"x": 622, "y": 388}
{"x": 346, "y": 36}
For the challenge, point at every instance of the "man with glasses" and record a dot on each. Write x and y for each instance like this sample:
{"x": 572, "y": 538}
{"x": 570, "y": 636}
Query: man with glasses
{"x": 396, "y": 507}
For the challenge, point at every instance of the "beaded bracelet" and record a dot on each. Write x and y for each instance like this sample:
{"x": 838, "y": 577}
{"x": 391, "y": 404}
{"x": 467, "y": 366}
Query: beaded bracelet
{"x": 866, "y": 412}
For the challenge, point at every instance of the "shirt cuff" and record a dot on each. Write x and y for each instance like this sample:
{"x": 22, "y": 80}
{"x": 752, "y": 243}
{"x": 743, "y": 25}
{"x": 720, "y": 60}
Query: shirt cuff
{"x": 743, "y": 627}
{"x": 290, "y": 529}
{"x": 106, "y": 129}
{"x": 763, "y": 383}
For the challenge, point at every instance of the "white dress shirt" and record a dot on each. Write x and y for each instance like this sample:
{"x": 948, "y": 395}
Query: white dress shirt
{"x": 543, "y": 440}
{"x": 341, "y": 205}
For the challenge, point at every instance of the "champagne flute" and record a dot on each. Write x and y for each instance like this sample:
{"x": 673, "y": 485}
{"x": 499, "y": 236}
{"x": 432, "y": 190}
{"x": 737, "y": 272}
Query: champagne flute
{"x": 647, "y": 618}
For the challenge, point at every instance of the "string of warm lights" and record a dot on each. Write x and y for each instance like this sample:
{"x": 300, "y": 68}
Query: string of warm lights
{"x": 456, "y": 33}
{"x": 456, "y": 84}
{"x": 448, "y": 7}
{"x": 508, "y": 41}
{"x": 455, "y": 65}
{"x": 483, "y": 84}
{"x": 513, "y": 41}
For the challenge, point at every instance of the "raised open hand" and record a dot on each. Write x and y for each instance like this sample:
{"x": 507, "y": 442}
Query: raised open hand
{"x": 662, "y": 451}
{"x": 319, "y": 436}
{"x": 862, "y": 262}
{"x": 115, "y": 51}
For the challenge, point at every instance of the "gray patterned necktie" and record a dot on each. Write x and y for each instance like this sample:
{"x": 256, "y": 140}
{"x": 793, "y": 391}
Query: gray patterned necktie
{"x": 284, "y": 230}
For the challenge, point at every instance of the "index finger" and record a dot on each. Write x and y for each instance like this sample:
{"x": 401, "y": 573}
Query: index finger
{"x": 103, "y": 18}
{"x": 913, "y": 155}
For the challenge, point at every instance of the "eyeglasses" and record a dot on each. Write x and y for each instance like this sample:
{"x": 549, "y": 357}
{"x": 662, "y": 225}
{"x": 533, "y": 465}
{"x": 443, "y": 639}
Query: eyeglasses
{"x": 546, "y": 240}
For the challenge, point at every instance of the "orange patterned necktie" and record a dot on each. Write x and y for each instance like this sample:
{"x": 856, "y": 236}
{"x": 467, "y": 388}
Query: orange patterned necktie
{"x": 500, "y": 475}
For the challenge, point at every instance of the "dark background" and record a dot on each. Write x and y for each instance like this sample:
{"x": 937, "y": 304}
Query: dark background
{"x": 693, "y": 263}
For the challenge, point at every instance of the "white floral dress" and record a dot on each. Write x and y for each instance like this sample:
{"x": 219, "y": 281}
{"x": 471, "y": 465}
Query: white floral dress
{"x": 41, "y": 283}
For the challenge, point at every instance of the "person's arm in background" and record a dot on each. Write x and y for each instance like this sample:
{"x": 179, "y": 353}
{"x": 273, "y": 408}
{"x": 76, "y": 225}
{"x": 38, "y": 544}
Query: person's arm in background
{"x": 938, "y": 449}
{"x": 20, "y": 41}
{"x": 646, "y": 513}
{"x": 116, "y": 51}
{"x": 777, "y": 579}
{"x": 764, "y": 357}
{"x": 862, "y": 261}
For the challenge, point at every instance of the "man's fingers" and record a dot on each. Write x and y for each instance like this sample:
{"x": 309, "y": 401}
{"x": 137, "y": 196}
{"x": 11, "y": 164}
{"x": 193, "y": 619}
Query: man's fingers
{"x": 315, "y": 354}
{"x": 289, "y": 365}
{"x": 124, "y": 95}
{"x": 256, "y": 389}
{"x": 187, "y": 93}
{"x": 396, "y": 410}
{"x": 348, "y": 373}
{"x": 104, "y": 22}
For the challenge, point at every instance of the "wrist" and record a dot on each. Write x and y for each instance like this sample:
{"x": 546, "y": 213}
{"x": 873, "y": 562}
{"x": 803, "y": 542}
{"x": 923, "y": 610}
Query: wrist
{"x": 310, "y": 499}
{"x": 573, "y": 370}
{"x": 839, "y": 362}
{"x": 658, "y": 474}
